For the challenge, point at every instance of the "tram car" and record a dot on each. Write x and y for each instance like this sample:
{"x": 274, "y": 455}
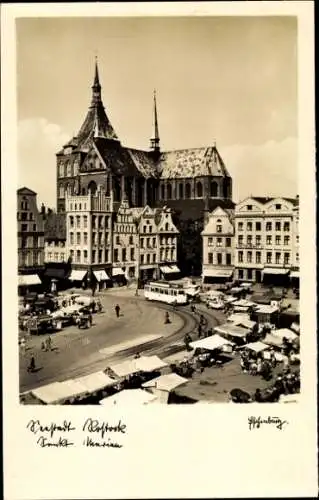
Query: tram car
{"x": 163, "y": 291}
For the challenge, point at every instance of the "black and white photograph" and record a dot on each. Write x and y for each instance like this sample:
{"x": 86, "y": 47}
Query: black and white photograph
{"x": 158, "y": 210}
{"x": 159, "y": 248}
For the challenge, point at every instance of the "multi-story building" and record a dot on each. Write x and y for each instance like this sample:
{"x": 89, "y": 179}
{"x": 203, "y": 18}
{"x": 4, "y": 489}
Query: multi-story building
{"x": 185, "y": 180}
{"x": 218, "y": 246}
{"x": 144, "y": 242}
{"x": 294, "y": 275}
{"x": 30, "y": 238}
{"x": 264, "y": 238}
{"x": 89, "y": 235}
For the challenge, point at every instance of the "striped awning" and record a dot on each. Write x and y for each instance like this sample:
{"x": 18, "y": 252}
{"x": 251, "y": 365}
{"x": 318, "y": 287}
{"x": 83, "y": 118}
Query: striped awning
{"x": 101, "y": 275}
{"x": 29, "y": 279}
{"x": 77, "y": 275}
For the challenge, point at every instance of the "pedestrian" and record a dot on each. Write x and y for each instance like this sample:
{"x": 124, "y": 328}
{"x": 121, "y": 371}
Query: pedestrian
{"x": 49, "y": 344}
{"x": 90, "y": 319}
{"x": 31, "y": 366}
{"x": 167, "y": 319}
{"x": 43, "y": 348}
{"x": 117, "y": 310}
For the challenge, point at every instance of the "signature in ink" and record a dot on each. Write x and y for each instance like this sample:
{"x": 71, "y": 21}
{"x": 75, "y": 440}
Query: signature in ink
{"x": 257, "y": 422}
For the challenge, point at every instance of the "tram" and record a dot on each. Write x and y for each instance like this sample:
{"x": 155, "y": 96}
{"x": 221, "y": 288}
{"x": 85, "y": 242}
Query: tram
{"x": 164, "y": 291}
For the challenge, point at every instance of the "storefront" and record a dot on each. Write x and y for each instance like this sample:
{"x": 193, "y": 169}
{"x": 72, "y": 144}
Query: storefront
{"x": 28, "y": 282}
{"x": 102, "y": 279}
{"x": 294, "y": 279}
{"x": 217, "y": 275}
{"x": 77, "y": 277}
{"x": 148, "y": 273}
{"x": 276, "y": 276}
{"x": 118, "y": 276}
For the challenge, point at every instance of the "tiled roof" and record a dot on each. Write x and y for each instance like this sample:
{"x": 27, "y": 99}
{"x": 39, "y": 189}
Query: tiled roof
{"x": 194, "y": 209}
{"x": 143, "y": 162}
{"x": 266, "y": 199}
{"x": 115, "y": 157}
{"x": 55, "y": 226}
{"x": 192, "y": 163}
{"x": 95, "y": 124}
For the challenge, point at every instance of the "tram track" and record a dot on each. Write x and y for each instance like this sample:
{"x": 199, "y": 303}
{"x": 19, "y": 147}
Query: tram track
{"x": 158, "y": 347}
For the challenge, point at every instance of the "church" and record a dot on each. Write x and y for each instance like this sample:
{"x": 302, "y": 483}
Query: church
{"x": 188, "y": 181}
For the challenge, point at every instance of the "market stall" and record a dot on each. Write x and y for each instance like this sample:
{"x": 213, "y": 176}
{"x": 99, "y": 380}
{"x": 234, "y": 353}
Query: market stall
{"x": 129, "y": 397}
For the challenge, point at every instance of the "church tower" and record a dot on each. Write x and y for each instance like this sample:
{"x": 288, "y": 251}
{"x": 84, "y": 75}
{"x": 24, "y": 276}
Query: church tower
{"x": 155, "y": 140}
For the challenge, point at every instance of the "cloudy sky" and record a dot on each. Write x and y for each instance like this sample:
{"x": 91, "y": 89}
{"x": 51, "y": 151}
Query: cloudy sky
{"x": 233, "y": 80}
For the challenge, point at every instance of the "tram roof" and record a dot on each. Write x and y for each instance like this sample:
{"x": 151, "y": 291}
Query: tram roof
{"x": 165, "y": 284}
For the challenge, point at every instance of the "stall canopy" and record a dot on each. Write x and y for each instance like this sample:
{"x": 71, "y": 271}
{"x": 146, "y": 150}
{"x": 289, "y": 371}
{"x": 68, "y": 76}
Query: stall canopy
{"x": 273, "y": 340}
{"x": 127, "y": 367}
{"x": 294, "y": 274}
{"x": 149, "y": 363}
{"x": 244, "y": 303}
{"x": 256, "y": 346}
{"x": 210, "y": 343}
{"x": 96, "y": 381}
{"x": 101, "y": 275}
{"x": 29, "y": 279}
{"x": 231, "y": 330}
{"x": 241, "y": 320}
{"x": 167, "y": 382}
{"x": 217, "y": 273}
{"x": 117, "y": 271}
{"x": 77, "y": 275}
{"x": 266, "y": 309}
{"x": 59, "y": 391}
{"x": 285, "y": 332}
{"x": 275, "y": 270}
{"x": 129, "y": 396}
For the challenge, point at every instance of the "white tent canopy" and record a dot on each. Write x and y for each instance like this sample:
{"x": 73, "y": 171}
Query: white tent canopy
{"x": 232, "y": 330}
{"x": 28, "y": 280}
{"x": 96, "y": 381}
{"x": 167, "y": 382}
{"x": 210, "y": 343}
{"x": 129, "y": 396}
{"x": 77, "y": 275}
{"x": 59, "y": 391}
{"x": 101, "y": 275}
{"x": 149, "y": 363}
{"x": 125, "y": 368}
{"x": 285, "y": 332}
{"x": 256, "y": 346}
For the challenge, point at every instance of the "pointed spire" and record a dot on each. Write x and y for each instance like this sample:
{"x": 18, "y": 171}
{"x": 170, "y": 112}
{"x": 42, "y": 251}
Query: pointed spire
{"x": 96, "y": 82}
{"x": 155, "y": 141}
{"x": 96, "y": 87}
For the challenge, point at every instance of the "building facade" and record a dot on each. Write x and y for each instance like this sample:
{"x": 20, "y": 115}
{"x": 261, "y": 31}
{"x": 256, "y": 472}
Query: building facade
{"x": 265, "y": 238}
{"x": 30, "y": 234}
{"x": 185, "y": 180}
{"x": 55, "y": 251}
{"x": 218, "y": 239}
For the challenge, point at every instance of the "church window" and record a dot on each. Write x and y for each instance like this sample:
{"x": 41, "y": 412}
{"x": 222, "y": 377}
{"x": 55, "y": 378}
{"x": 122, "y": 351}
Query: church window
{"x": 188, "y": 190}
{"x": 214, "y": 189}
{"x": 169, "y": 191}
{"x": 181, "y": 191}
{"x": 199, "y": 189}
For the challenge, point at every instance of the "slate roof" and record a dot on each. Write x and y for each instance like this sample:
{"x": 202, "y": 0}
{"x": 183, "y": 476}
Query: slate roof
{"x": 54, "y": 226}
{"x": 143, "y": 162}
{"x": 192, "y": 163}
{"x": 115, "y": 157}
{"x": 194, "y": 209}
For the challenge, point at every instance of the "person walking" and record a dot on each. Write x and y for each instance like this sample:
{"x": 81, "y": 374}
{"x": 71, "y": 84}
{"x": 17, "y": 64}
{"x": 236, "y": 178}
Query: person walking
{"x": 31, "y": 366}
{"x": 117, "y": 310}
{"x": 90, "y": 319}
{"x": 167, "y": 319}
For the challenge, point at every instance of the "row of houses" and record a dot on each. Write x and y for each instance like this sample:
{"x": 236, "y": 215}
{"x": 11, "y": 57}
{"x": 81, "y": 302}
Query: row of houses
{"x": 101, "y": 239}
{"x": 257, "y": 241}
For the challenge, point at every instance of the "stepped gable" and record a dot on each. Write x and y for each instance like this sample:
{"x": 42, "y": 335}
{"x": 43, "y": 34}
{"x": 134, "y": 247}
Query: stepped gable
{"x": 197, "y": 162}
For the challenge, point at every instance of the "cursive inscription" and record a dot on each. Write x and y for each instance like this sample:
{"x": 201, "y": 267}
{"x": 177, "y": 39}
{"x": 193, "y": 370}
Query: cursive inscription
{"x": 101, "y": 428}
{"x": 257, "y": 422}
{"x": 48, "y": 433}
{"x": 91, "y": 443}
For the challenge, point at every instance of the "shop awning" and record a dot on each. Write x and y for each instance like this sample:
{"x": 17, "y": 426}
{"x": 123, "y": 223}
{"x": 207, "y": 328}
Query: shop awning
{"x": 167, "y": 382}
{"x": 117, "y": 271}
{"x": 275, "y": 270}
{"x": 129, "y": 396}
{"x": 167, "y": 270}
{"x": 101, "y": 275}
{"x": 174, "y": 269}
{"x": 231, "y": 330}
{"x": 217, "y": 273}
{"x": 77, "y": 275}
{"x": 29, "y": 279}
{"x": 295, "y": 274}
{"x": 210, "y": 343}
{"x": 149, "y": 363}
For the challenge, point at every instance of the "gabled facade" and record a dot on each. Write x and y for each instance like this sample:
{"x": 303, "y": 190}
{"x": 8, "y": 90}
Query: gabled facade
{"x": 218, "y": 239}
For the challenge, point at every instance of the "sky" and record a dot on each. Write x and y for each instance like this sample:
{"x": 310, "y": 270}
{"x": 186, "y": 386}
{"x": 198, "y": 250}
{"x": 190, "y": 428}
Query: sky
{"x": 232, "y": 80}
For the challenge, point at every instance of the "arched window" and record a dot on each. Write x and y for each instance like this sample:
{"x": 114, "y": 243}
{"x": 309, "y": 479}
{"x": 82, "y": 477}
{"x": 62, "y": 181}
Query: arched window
{"x": 169, "y": 192}
{"x": 181, "y": 191}
{"x": 214, "y": 189}
{"x": 199, "y": 190}
{"x": 92, "y": 187}
{"x": 187, "y": 190}
{"x": 166, "y": 226}
{"x": 163, "y": 192}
